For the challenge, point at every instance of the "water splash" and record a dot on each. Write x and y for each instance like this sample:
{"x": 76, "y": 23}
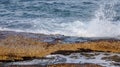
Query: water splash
{"x": 103, "y": 24}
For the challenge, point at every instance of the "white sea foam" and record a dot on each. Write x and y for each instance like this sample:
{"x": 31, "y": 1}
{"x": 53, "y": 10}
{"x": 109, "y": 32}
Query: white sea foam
{"x": 101, "y": 25}
{"x": 73, "y": 58}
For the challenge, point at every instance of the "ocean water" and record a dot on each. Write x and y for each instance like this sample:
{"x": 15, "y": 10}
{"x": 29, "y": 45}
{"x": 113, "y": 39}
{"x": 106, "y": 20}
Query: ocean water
{"x": 81, "y": 18}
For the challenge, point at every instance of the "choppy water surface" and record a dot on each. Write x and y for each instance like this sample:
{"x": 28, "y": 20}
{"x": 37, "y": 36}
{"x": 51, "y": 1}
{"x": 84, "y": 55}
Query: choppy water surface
{"x": 86, "y": 18}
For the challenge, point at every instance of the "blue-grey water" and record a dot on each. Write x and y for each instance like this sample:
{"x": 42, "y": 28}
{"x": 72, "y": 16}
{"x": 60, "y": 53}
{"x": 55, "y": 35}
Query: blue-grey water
{"x": 86, "y": 18}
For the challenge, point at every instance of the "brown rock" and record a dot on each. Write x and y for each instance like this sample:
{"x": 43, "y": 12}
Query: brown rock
{"x": 18, "y": 47}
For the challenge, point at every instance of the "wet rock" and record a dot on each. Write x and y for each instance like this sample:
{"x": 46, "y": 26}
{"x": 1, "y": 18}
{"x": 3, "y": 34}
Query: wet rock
{"x": 115, "y": 58}
{"x": 59, "y": 65}
{"x": 75, "y": 65}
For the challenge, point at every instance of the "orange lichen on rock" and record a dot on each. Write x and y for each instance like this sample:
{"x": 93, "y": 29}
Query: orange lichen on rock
{"x": 17, "y": 47}
{"x": 102, "y": 45}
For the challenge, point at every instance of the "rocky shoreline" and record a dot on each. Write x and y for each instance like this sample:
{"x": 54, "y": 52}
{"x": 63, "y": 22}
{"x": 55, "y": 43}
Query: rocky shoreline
{"x": 59, "y": 65}
{"x": 16, "y": 46}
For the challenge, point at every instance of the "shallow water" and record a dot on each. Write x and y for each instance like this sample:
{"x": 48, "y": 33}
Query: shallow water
{"x": 89, "y": 57}
{"x": 81, "y": 18}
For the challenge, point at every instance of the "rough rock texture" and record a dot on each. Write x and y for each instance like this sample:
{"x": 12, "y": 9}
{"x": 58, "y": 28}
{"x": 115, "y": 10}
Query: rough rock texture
{"x": 14, "y": 46}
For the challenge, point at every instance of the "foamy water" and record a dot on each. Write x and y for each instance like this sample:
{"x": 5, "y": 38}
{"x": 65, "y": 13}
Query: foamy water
{"x": 93, "y": 57}
{"x": 82, "y": 18}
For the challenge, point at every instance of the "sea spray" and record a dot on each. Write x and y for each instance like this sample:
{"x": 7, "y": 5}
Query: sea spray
{"x": 70, "y": 18}
{"x": 103, "y": 25}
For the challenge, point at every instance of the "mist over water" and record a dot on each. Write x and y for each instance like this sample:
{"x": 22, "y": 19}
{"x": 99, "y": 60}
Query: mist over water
{"x": 82, "y": 18}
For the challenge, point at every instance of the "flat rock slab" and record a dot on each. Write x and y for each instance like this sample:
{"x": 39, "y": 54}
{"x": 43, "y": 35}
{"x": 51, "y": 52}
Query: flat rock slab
{"x": 15, "y": 46}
